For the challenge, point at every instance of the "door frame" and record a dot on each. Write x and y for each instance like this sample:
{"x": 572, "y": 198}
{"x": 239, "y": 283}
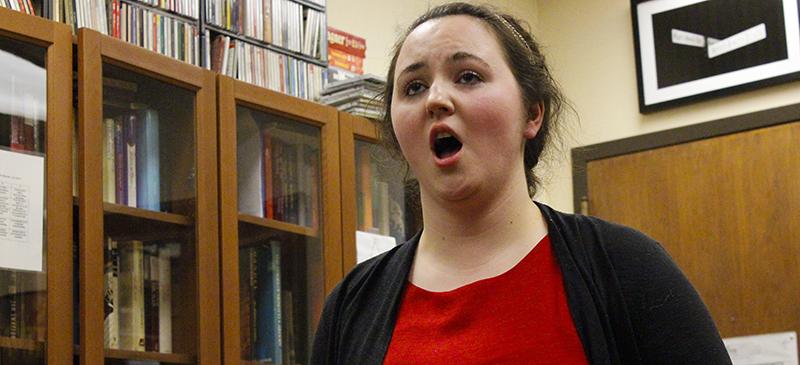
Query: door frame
{"x": 581, "y": 156}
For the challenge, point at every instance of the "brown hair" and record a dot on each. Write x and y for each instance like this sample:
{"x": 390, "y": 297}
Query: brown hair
{"x": 527, "y": 64}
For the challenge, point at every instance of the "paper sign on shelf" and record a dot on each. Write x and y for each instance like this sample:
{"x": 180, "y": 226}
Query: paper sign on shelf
{"x": 369, "y": 245}
{"x": 21, "y": 211}
{"x": 772, "y": 349}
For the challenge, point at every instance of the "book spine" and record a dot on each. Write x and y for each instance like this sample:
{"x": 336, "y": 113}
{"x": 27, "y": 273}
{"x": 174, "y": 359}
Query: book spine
{"x": 111, "y": 297}
{"x": 148, "y": 164}
{"x": 131, "y": 293}
{"x": 130, "y": 148}
{"x": 277, "y": 315}
{"x": 264, "y": 347}
{"x": 246, "y": 284}
{"x": 120, "y": 159}
{"x": 151, "y": 299}
{"x": 165, "y": 300}
{"x": 109, "y": 169}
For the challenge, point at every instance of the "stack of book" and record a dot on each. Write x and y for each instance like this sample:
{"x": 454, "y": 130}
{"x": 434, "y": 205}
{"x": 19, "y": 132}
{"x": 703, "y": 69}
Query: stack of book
{"x": 359, "y": 95}
{"x": 278, "y": 172}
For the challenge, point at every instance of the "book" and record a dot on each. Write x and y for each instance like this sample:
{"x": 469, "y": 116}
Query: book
{"x": 249, "y": 164}
{"x": 346, "y": 42}
{"x": 165, "y": 255}
{"x": 148, "y": 176}
{"x": 111, "y": 295}
{"x": 267, "y": 344}
{"x": 109, "y": 167}
{"x": 120, "y": 160}
{"x": 151, "y": 297}
{"x": 364, "y": 188}
{"x": 131, "y": 296}
{"x": 130, "y": 123}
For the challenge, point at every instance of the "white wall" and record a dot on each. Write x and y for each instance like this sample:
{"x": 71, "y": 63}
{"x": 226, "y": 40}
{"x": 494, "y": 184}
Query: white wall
{"x": 590, "y": 48}
{"x": 381, "y": 22}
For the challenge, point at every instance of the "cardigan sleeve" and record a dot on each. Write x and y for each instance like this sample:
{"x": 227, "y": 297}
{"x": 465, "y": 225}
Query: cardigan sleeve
{"x": 670, "y": 322}
{"x": 324, "y": 350}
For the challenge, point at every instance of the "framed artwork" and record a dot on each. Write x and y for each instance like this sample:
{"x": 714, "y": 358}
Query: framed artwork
{"x": 689, "y": 50}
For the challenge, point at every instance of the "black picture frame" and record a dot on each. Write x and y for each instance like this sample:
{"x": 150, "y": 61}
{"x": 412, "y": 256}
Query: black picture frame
{"x": 692, "y": 50}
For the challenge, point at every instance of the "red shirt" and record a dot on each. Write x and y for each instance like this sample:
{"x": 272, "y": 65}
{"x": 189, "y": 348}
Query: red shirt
{"x": 518, "y": 317}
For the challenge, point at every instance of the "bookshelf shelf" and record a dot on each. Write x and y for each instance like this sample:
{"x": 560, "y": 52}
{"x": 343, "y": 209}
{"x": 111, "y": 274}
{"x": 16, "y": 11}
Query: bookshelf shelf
{"x": 150, "y": 356}
{"x": 269, "y": 46}
{"x": 279, "y": 226}
{"x": 147, "y": 215}
{"x": 20, "y": 344}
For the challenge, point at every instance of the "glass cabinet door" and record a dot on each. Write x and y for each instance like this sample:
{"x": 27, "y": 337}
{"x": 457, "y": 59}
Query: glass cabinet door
{"x": 23, "y": 266}
{"x": 280, "y": 241}
{"x": 35, "y": 184}
{"x": 149, "y": 202}
{"x": 379, "y": 208}
{"x": 280, "y": 249}
{"x": 154, "y": 201}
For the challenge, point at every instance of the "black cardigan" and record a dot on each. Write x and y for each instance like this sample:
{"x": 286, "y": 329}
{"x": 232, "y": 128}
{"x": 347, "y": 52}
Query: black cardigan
{"x": 629, "y": 301}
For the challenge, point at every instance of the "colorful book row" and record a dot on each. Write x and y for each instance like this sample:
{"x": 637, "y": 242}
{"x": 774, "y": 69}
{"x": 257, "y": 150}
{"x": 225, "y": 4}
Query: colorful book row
{"x": 131, "y": 165}
{"x": 260, "y": 305}
{"x": 278, "y": 173}
{"x": 24, "y": 6}
{"x": 262, "y": 67}
{"x": 138, "y": 295}
{"x": 153, "y": 31}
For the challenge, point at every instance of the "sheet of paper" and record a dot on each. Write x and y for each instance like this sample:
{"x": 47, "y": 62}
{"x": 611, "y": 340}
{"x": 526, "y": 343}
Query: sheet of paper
{"x": 369, "y": 245}
{"x": 21, "y": 211}
{"x": 767, "y": 349}
{"x": 685, "y": 38}
{"x": 738, "y": 40}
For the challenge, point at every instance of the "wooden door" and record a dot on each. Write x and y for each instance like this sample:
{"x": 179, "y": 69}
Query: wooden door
{"x": 728, "y": 211}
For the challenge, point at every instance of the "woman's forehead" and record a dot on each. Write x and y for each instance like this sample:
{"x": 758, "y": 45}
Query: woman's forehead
{"x": 447, "y": 35}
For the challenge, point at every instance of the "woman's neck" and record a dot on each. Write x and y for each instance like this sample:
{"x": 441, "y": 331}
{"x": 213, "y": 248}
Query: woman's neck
{"x": 469, "y": 236}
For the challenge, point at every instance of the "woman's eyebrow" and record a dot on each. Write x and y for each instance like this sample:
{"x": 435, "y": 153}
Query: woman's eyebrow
{"x": 413, "y": 67}
{"x": 462, "y": 56}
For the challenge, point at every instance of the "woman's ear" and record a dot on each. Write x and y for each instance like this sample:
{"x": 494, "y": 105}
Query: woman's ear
{"x": 534, "y": 122}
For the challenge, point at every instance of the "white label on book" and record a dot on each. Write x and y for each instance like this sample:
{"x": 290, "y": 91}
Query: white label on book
{"x": 369, "y": 245}
{"x": 738, "y": 40}
{"x": 21, "y": 210}
{"x": 767, "y": 349}
{"x": 688, "y": 39}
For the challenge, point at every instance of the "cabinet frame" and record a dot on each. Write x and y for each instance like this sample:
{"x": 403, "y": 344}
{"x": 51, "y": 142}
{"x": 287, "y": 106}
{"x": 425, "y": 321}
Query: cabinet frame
{"x": 232, "y": 93}
{"x": 57, "y": 40}
{"x": 351, "y": 128}
{"x": 93, "y": 50}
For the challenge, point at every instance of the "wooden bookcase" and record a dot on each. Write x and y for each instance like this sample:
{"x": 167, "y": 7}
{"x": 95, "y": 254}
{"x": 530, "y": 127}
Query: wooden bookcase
{"x": 279, "y": 184}
{"x": 373, "y": 191}
{"x": 163, "y": 235}
{"x": 42, "y": 51}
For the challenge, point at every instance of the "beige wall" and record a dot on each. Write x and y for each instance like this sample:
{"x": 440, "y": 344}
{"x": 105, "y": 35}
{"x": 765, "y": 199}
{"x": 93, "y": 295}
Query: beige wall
{"x": 380, "y": 22}
{"x": 590, "y": 47}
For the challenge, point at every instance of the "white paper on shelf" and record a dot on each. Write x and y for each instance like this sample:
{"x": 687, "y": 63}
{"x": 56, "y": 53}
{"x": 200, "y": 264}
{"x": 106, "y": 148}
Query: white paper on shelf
{"x": 767, "y": 349}
{"x": 21, "y": 210}
{"x": 369, "y": 245}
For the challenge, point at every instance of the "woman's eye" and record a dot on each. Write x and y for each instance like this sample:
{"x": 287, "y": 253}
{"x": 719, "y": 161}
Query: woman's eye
{"x": 414, "y": 87}
{"x": 469, "y": 77}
